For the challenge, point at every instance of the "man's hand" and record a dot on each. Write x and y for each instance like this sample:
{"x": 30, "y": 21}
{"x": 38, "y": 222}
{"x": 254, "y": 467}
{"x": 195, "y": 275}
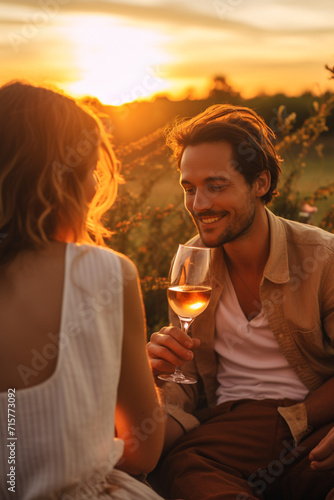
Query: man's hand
{"x": 169, "y": 348}
{"x": 322, "y": 456}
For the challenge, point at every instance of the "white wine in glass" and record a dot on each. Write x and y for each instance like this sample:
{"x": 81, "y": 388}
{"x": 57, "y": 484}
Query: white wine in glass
{"x": 188, "y": 294}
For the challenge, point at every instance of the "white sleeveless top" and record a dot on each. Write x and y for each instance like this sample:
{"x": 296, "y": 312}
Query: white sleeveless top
{"x": 64, "y": 427}
{"x": 250, "y": 363}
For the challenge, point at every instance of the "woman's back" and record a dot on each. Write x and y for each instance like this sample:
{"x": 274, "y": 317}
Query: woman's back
{"x": 31, "y": 290}
{"x": 64, "y": 423}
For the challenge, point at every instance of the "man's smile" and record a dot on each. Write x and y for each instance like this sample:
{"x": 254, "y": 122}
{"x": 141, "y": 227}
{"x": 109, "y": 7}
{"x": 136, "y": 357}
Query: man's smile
{"x": 210, "y": 219}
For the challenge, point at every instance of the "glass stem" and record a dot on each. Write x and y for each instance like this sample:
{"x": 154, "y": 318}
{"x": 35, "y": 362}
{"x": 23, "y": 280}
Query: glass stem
{"x": 185, "y": 324}
{"x": 178, "y": 372}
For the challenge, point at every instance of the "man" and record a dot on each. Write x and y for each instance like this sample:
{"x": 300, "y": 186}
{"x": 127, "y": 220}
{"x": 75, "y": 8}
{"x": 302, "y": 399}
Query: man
{"x": 263, "y": 351}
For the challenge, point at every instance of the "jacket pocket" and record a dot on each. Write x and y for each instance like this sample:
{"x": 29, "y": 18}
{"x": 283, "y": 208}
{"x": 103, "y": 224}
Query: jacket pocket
{"x": 314, "y": 348}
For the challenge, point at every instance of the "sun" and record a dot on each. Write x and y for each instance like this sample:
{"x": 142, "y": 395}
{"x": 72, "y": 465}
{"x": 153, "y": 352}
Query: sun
{"x": 116, "y": 63}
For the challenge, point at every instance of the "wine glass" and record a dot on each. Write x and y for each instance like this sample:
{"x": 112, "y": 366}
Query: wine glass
{"x": 188, "y": 294}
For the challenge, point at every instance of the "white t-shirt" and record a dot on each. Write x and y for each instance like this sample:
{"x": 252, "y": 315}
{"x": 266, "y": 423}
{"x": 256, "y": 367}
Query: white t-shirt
{"x": 250, "y": 362}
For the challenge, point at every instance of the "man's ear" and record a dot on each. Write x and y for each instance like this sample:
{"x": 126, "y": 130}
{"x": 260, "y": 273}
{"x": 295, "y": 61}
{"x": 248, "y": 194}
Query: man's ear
{"x": 262, "y": 183}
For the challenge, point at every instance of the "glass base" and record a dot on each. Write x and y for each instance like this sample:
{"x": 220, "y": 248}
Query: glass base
{"x": 178, "y": 378}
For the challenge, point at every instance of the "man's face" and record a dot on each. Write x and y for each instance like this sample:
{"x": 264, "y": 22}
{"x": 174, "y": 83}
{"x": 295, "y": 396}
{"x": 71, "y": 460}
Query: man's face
{"x": 218, "y": 198}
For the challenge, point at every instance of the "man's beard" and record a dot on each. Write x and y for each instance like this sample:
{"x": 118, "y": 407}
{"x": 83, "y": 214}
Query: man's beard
{"x": 230, "y": 233}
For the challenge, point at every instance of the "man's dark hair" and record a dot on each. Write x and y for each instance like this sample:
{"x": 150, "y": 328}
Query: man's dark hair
{"x": 251, "y": 139}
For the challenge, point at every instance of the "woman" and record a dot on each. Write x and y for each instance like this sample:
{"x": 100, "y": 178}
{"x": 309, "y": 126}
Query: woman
{"x": 73, "y": 368}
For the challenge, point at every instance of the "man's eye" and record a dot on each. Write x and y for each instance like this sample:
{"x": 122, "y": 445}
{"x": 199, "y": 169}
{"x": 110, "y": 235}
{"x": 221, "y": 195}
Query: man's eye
{"x": 189, "y": 190}
{"x": 216, "y": 189}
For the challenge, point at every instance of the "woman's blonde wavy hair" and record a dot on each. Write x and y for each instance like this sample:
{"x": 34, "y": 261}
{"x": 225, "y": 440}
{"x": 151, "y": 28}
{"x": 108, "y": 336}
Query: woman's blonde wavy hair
{"x": 48, "y": 144}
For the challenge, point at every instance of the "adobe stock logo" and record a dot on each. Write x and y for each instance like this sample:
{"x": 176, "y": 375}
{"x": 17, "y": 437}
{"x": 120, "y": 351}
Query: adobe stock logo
{"x": 32, "y": 25}
{"x": 223, "y": 7}
{"x": 260, "y": 479}
{"x": 90, "y": 139}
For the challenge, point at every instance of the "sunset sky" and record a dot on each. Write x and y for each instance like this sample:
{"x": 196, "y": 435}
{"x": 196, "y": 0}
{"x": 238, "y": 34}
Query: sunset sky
{"x": 121, "y": 50}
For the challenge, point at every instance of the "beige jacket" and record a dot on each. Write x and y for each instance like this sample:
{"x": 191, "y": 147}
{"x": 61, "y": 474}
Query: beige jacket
{"x": 297, "y": 294}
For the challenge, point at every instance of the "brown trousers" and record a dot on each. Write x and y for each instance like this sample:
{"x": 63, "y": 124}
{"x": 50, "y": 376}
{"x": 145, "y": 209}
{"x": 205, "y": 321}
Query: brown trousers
{"x": 244, "y": 451}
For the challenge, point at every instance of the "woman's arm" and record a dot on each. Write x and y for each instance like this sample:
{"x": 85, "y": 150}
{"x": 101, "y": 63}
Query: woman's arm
{"x": 139, "y": 420}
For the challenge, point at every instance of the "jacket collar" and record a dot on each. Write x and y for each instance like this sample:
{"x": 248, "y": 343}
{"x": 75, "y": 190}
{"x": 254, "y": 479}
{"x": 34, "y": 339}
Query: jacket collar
{"x": 277, "y": 266}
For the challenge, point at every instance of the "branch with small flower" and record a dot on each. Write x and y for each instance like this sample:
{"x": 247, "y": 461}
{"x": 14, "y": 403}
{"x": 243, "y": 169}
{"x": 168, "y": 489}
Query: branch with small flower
{"x": 295, "y": 148}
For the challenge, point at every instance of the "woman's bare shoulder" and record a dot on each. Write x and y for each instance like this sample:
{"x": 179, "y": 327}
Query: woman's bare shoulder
{"x": 107, "y": 252}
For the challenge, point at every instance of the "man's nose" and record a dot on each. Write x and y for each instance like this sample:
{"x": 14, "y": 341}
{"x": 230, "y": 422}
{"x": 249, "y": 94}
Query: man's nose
{"x": 201, "y": 201}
